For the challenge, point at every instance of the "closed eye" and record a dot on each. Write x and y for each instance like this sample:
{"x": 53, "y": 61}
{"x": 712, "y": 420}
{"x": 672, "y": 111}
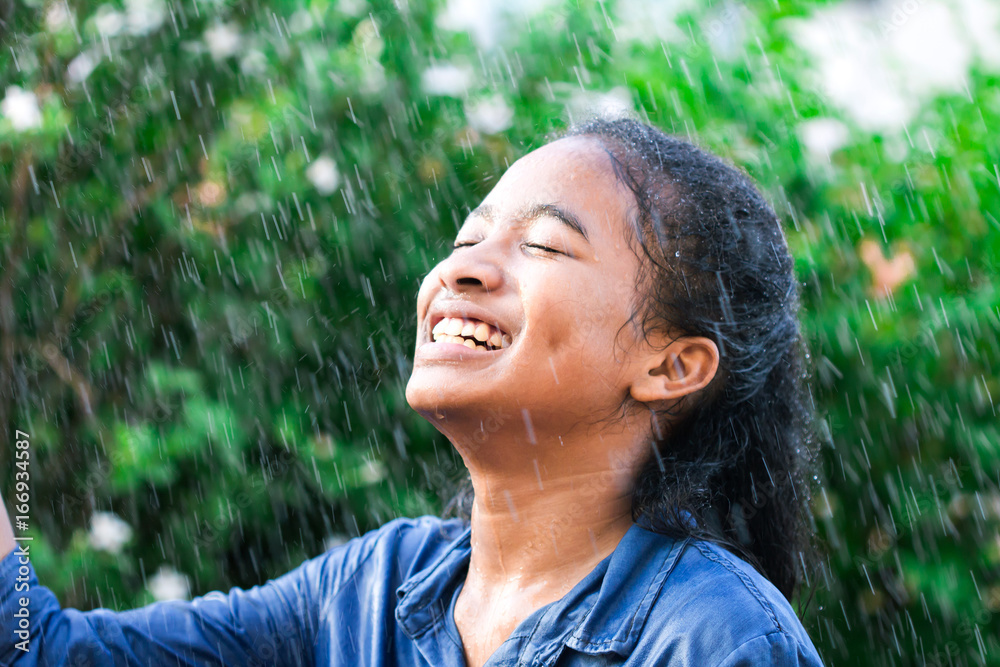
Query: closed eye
{"x": 537, "y": 246}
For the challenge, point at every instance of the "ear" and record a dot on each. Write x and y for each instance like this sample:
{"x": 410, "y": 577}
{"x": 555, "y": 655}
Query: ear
{"x": 686, "y": 365}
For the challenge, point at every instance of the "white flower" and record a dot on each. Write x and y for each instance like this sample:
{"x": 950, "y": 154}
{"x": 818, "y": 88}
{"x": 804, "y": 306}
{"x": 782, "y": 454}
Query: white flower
{"x": 823, "y": 136}
{"x": 80, "y": 67}
{"x": 108, "y": 532}
{"x": 651, "y": 22}
{"x": 491, "y": 115}
{"x": 372, "y": 78}
{"x": 254, "y": 63}
{"x": 223, "y": 40}
{"x": 324, "y": 175}
{"x": 58, "y": 17}
{"x": 933, "y": 50}
{"x": 20, "y": 107}
{"x": 145, "y": 16}
{"x": 169, "y": 584}
{"x": 725, "y": 30}
{"x": 980, "y": 19}
{"x": 880, "y": 61}
{"x": 250, "y": 203}
{"x": 490, "y": 22}
{"x": 446, "y": 79}
{"x": 109, "y": 22}
{"x": 480, "y": 18}
{"x": 352, "y": 7}
{"x": 373, "y": 471}
{"x": 300, "y": 21}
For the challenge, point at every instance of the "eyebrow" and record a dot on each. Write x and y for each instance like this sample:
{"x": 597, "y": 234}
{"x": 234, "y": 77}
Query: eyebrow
{"x": 532, "y": 213}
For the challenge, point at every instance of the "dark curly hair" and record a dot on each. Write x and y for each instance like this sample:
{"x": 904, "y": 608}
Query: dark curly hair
{"x": 729, "y": 464}
{"x": 714, "y": 263}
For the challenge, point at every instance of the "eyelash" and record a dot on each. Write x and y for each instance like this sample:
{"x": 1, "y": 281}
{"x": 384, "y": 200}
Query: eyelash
{"x": 539, "y": 246}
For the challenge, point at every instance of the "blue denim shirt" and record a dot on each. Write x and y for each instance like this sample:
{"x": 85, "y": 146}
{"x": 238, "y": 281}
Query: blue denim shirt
{"x": 387, "y": 598}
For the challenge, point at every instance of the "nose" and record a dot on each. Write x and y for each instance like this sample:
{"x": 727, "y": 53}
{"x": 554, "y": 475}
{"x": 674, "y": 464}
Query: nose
{"x": 472, "y": 268}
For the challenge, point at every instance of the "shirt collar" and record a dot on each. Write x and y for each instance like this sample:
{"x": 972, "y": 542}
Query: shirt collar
{"x": 636, "y": 571}
{"x": 424, "y": 598}
{"x": 620, "y": 592}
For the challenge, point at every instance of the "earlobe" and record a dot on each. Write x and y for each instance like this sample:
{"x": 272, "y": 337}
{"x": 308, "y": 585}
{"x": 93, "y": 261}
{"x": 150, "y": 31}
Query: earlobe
{"x": 686, "y": 365}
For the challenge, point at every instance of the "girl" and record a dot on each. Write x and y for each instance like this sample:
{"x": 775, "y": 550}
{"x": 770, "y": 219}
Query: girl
{"x": 613, "y": 349}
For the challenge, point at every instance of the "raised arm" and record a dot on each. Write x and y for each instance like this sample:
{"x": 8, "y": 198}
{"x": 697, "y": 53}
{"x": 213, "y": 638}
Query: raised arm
{"x": 273, "y": 624}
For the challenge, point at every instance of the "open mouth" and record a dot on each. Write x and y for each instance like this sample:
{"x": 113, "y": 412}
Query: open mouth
{"x": 472, "y": 333}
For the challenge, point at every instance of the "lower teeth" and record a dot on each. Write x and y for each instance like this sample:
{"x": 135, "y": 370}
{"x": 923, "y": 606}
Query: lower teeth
{"x": 458, "y": 340}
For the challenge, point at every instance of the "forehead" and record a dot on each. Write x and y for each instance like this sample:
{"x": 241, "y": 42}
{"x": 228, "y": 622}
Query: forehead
{"x": 574, "y": 173}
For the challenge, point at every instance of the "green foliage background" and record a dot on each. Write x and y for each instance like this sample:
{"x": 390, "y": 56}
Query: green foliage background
{"x": 201, "y": 342}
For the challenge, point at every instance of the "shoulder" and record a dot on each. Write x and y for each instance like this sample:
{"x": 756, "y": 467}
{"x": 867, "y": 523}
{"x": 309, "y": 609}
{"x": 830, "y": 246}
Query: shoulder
{"x": 726, "y": 612}
{"x": 714, "y": 580}
{"x": 418, "y": 540}
{"x": 392, "y": 551}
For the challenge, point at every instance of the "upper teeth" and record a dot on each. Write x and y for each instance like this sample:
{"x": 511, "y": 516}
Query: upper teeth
{"x": 463, "y": 331}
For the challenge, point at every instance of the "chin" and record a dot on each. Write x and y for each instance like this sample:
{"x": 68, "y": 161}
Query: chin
{"x": 428, "y": 398}
{"x": 435, "y": 400}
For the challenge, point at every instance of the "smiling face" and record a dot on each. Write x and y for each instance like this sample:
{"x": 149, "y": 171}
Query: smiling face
{"x": 527, "y": 309}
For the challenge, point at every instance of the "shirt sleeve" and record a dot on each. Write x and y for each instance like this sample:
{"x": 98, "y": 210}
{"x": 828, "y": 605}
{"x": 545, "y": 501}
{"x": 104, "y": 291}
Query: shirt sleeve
{"x": 776, "y": 649}
{"x": 273, "y": 624}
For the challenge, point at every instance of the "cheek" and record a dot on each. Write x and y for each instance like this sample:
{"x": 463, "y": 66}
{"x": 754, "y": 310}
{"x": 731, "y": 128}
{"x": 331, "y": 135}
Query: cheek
{"x": 595, "y": 337}
{"x": 587, "y": 323}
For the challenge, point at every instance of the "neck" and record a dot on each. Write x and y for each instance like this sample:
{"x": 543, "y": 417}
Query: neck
{"x": 546, "y": 512}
